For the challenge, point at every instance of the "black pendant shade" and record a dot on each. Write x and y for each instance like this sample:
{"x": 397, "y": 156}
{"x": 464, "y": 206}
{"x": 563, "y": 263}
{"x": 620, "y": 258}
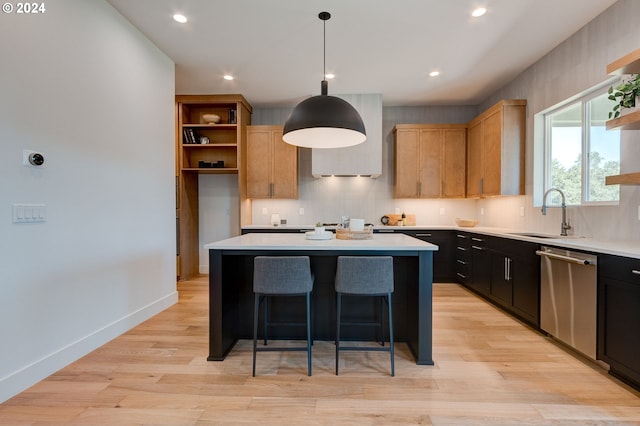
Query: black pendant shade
{"x": 324, "y": 121}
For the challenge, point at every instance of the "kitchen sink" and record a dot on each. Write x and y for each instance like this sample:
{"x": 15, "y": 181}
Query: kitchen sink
{"x": 535, "y": 235}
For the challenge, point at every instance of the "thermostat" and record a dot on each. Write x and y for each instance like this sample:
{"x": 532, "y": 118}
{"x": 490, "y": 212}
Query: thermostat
{"x": 32, "y": 158}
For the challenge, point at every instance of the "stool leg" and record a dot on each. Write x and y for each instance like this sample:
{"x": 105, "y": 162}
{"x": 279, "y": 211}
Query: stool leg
{"x": 309, "y": 334}
{"x": 338, "y": 310}
{"x": 390, "y": 310}
{"x": 256, "y": 305}
{"x": 265, "y": 312}
{"x": 381, "y": 319}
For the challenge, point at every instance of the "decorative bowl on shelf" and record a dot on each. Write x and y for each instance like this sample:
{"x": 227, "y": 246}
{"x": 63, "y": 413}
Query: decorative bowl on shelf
{"x": 211, "y": 118}
{"x": 467, "y": 223}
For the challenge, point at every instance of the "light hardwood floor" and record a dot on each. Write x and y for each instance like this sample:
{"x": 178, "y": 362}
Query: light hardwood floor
{"x": 489, "y": 370}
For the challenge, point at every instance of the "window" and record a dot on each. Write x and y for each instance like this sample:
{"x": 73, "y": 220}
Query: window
{"x": 579, "y": 152}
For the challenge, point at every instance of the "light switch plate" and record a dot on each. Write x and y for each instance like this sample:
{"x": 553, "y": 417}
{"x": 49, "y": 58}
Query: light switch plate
{"x": 29, "y": 213}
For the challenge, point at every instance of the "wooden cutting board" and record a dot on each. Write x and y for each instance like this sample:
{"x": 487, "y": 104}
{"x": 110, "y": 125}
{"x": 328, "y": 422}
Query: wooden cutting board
{"x": 394, "y": 219}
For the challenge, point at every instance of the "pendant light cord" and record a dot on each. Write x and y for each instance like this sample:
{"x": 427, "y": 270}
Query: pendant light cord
{"x": 324, "y": 85}
{"x": 324, "y": 50}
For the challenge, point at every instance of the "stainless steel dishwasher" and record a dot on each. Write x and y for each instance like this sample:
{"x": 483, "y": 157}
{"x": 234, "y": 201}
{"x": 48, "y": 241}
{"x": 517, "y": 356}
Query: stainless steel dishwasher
{"x": 568, "y": 297}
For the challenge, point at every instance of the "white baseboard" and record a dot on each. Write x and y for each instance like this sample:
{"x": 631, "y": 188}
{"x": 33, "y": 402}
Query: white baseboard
{"x": 31, "y": 374}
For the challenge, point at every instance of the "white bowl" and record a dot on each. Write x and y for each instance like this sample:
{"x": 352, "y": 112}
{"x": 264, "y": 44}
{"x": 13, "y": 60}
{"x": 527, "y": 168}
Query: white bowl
{"x": 211, "y": 118}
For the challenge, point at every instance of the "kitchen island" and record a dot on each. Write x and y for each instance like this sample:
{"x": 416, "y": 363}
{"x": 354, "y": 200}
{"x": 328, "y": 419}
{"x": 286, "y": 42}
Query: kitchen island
{"x": 231, "y": 288}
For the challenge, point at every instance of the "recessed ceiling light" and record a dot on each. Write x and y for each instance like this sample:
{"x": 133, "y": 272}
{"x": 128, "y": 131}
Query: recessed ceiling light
{"x": 329, "y": 76}
{"x": 434, "y": 73}
{"x": 180, "y": 18}
{"x": 228, "y": 77}
{"x": 478, "y": 12}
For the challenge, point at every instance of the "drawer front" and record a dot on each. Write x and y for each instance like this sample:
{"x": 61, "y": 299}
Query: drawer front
{"x": 463, "y": 257}
{"x": 619, "y": 268}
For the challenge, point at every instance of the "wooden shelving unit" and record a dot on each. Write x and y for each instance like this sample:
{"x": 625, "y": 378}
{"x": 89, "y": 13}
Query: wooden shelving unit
{"x": 226, "y": 143}
{"x": 628, "y": 64}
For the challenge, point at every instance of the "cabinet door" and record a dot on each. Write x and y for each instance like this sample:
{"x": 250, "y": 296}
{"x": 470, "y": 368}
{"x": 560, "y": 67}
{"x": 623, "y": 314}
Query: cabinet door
{"x": 284, "y": 168}
{"x": 406, "y": 164}
{"x": 474, "y": 159}
{"x": 525, "y": 275}
{"x": 259, "y": 163}
{"x": 621, "y": 319}
{"x": 430, "y": 153}
{"x": 454, "y": 163}
{"x": 492, "y": 154}
{"x": 619, "y": 315}
{"x": 501, "y": 288}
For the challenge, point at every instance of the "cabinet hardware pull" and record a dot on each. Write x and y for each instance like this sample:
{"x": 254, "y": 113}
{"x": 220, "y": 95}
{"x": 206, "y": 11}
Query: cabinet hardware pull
{"x": 477, "y": 248}
{"x": 461, "y": 262}
{"x": 461, "y": 236}
{"x": 461, "y": 248}
{"x": 423, "y": 235}
{"x": 477, "y": 239}
{"x": 635, "y": 271}
{"x": 461, "y": 275}
{"x": 505, "y": 269}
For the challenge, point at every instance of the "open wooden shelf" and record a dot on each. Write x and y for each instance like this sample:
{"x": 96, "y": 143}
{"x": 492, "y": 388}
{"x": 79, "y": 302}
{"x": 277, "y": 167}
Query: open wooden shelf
{"x": 630, "y": 121}
{"x": 628, "y": 64}
{"x": 624, "y": 179}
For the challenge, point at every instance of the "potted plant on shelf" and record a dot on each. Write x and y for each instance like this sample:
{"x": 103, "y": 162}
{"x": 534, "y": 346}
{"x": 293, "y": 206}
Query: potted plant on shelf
{"x": 626, "y": 95}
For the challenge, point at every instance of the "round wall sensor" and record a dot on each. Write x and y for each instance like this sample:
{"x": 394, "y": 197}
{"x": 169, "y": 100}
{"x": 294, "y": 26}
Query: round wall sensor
{"x": 36, "y": 159}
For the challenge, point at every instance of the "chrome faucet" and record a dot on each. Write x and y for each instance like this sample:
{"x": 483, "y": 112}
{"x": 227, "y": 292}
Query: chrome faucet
{"x": 564, "y": 226}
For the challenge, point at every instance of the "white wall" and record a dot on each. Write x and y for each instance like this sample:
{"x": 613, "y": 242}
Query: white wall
{"x": 81, "y": 85}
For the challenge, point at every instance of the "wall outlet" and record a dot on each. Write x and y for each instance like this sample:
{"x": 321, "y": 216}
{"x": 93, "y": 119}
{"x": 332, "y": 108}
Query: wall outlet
{"x": 301, "y": 211}
{"x": 522, "y": 211}
{"x": 396, "y": 210}
{"x": 638, "y": 212}
{"x": 482, "y": 211}
{"x": 441, "y": 211}
{"x": 264, "y": 210}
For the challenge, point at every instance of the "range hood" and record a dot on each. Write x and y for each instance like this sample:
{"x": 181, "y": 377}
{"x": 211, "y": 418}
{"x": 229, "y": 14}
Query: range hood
{"x": 364, "y": 159}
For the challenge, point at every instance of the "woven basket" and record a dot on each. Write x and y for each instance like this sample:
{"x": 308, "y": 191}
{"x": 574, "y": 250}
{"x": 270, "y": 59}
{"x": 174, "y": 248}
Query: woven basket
{"x": 348, "y": 234}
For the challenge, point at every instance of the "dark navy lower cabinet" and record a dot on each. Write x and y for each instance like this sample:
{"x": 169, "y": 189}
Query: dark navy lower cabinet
{"x": 619, "y": 316}
{"x": 443, "y": 267}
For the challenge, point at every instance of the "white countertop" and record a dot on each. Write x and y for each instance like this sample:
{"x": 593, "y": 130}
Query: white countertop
{"x": 596, "y": 245}
{"x": 295, "y": 241}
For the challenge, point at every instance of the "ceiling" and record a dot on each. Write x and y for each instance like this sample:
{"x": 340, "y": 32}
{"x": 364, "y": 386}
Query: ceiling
{"x": 274, "y": 48}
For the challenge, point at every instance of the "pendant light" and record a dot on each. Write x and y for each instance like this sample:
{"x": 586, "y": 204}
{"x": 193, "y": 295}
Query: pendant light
{"x": 324, "y": 121}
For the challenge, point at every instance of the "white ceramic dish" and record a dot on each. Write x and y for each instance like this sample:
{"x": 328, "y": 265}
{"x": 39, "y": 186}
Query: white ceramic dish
{"x": 313, "y": 235}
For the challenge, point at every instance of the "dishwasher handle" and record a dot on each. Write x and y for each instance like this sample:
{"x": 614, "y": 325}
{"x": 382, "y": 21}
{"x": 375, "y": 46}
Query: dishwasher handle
{"x": 565, "y": 258}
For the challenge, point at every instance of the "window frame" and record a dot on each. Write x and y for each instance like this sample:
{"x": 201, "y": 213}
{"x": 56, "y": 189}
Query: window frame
{"x": 542, "y": 144}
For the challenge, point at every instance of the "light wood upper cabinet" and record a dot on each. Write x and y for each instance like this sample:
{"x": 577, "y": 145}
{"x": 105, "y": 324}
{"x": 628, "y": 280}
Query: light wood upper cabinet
{"x": 272, "y": 164}
{"x": 496, "y": 150}
{"x": 430, "y": 160}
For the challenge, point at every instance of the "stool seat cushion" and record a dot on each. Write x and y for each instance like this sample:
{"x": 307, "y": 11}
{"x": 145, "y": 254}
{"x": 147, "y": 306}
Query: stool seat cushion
{"x": 282, "y": 275}
{"x": 364, "y": 275}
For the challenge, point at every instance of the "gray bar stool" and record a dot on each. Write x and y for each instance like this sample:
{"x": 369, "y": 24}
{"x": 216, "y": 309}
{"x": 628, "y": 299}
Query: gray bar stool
{"x": 281, "y": 276}
{"x": 364, "y": 276}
